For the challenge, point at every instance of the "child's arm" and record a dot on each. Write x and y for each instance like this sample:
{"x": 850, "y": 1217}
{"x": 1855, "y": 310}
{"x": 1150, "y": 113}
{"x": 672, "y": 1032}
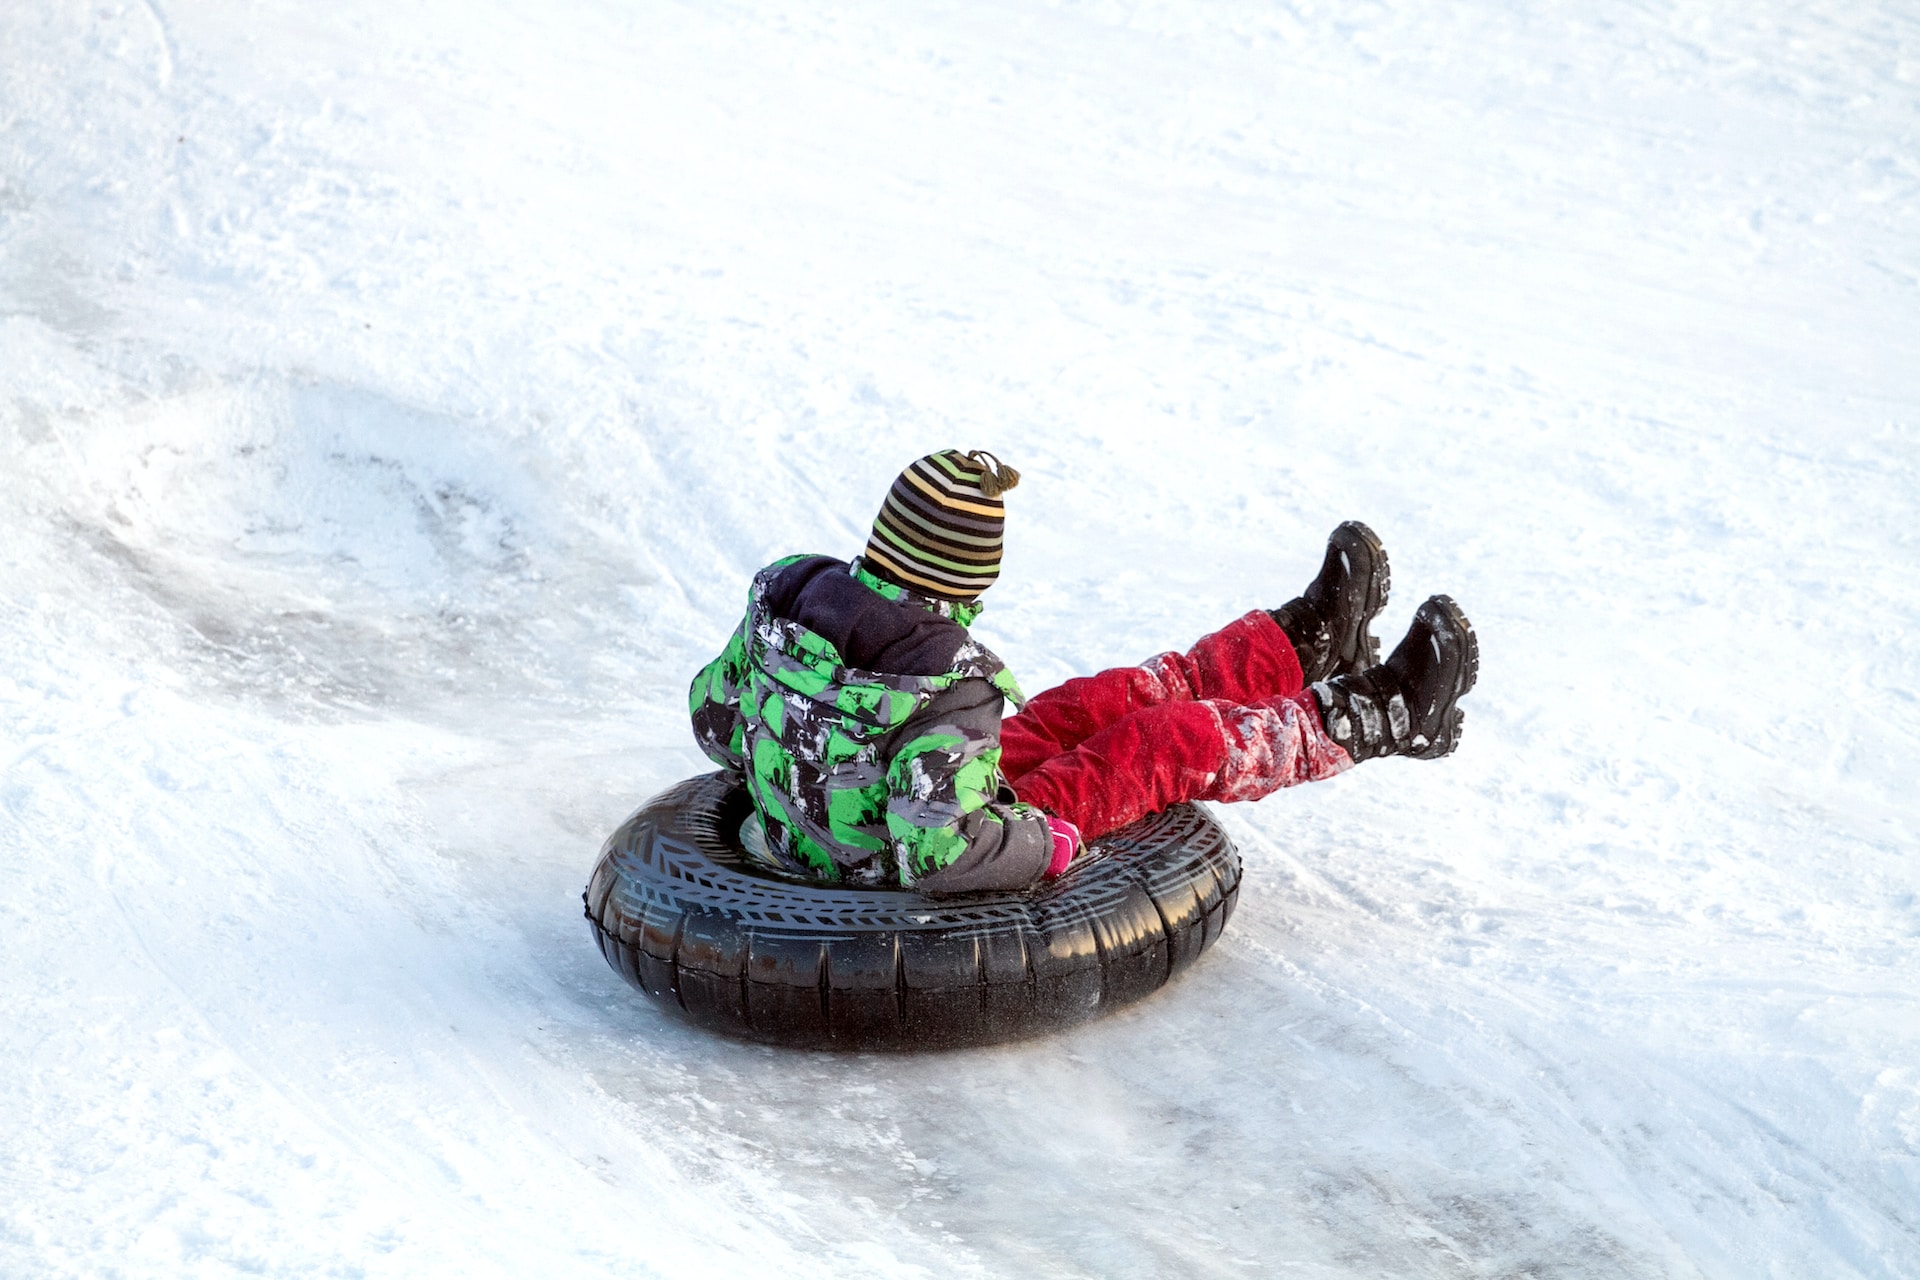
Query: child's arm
{"x": 714, "y": 702}
{"x": 952, "y": 830}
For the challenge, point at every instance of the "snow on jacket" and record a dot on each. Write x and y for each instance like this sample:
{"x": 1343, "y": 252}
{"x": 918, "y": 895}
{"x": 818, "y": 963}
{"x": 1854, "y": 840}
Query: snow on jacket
{"x": 865, "y": 723}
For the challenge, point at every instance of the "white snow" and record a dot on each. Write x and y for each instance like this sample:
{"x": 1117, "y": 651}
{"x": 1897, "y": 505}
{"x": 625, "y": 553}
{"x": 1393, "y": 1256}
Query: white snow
{"x": 396, "y": 399}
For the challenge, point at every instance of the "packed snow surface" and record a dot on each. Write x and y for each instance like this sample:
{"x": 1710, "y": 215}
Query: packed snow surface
{"x": 396, "y": 399}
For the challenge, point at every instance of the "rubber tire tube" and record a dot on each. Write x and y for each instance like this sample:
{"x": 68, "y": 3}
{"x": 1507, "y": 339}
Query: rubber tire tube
{"x": 681, "y": 914}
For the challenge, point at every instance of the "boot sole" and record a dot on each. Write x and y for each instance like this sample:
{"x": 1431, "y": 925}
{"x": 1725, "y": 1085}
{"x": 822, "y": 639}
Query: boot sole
{"x": 1448, "y": 738}
{"x": 1354, "y": 541}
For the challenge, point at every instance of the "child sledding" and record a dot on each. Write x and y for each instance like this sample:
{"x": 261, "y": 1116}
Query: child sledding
{"x": 867, "y": 723}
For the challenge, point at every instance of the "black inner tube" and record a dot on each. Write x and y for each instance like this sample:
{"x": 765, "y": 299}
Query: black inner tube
{"x": 679, "y": 910}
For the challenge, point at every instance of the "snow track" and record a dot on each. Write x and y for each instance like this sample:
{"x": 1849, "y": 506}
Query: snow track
{"x": 394, "y": 405}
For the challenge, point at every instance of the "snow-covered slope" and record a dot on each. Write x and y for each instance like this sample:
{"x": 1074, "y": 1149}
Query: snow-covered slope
{"x": 396, "y": 399}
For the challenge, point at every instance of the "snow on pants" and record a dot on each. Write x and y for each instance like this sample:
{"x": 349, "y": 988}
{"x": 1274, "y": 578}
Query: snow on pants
{"x": 1227, "y": 720}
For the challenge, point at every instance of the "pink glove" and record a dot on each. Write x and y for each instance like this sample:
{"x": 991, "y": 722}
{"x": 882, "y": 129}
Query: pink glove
{"x": 1066, "y": 842}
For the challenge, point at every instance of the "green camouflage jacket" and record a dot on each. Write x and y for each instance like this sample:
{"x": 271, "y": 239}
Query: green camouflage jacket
{"x": 869, "y": 776}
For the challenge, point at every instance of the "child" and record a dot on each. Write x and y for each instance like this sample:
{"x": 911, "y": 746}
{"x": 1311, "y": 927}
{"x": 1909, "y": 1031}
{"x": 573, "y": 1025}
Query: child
{"x": 866, "y": 722}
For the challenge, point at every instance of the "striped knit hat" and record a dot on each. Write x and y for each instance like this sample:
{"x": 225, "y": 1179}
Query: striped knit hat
{"x": 939, "y": 531}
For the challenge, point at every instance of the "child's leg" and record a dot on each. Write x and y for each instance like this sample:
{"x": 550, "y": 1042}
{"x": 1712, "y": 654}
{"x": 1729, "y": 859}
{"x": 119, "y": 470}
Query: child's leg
{"x": 1177, "y": 751}
{"x": 1246, "y": 661}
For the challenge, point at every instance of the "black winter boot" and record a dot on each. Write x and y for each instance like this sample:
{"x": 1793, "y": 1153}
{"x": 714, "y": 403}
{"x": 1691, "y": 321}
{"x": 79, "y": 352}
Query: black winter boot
{"x": 1328, "y": 624}
{"x": 1406, "y": 706}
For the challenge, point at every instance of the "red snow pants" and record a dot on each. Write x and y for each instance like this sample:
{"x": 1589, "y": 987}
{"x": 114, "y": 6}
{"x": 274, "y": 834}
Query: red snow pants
{"x": 1227, "y": 720}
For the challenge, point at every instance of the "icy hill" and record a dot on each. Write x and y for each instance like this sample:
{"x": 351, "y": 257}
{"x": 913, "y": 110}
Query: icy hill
{"x": 394, "y": 401}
